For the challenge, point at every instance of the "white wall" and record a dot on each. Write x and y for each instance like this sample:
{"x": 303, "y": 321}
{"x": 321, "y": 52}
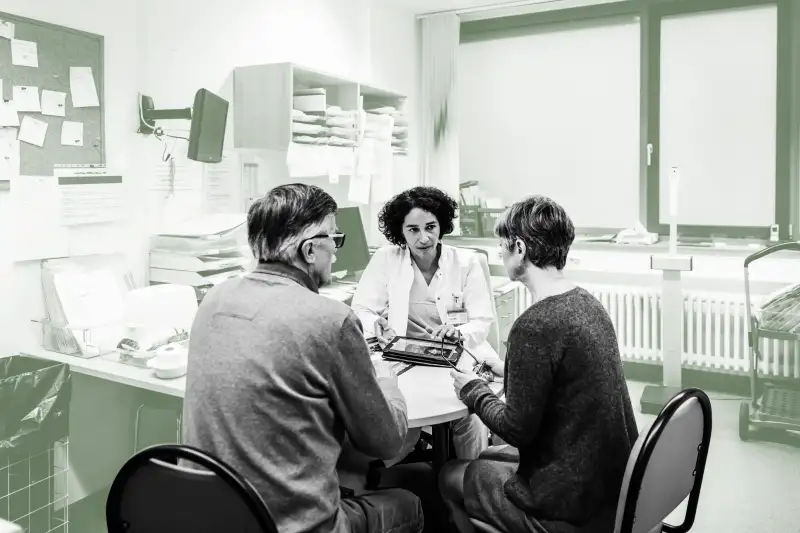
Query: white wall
{"x": 353, "y": 39}
{"x": 20, "y": 295}
{"x": 170, "y": 49}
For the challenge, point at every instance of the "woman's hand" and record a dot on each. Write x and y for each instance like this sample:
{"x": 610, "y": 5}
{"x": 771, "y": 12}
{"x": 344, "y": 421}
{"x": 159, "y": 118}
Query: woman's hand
{"x": 445, "y": 331}
{"x": 383, "y": 332}
{"x": 496, "y": 365}
{"x": 462, "y": 378}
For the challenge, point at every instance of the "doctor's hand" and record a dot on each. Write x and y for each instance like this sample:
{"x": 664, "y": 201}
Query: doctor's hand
{"x": 383, "y": 332}
{"x": 462, "y": 378}
{"x": 446, "y": 331}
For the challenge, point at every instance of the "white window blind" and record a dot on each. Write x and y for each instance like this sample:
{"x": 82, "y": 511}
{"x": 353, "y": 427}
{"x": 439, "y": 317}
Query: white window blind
{"x": 717, "y": 119}
{"x": 555, "y": 113}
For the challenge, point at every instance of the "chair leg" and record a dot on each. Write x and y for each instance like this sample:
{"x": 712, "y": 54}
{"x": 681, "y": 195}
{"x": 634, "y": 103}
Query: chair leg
{"x": 179, "y": 438}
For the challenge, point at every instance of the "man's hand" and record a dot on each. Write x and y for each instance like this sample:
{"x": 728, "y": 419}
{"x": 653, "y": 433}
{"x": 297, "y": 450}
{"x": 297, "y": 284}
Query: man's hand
{"x": 385, "y": 369}
{"x": 446, "y": 331}
{"x": 383, "y": 332}
{"x": 462, "y": 378}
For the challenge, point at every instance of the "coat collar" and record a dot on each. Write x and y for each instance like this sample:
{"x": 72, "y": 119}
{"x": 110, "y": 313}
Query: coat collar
{"x": 442, "y": 252}
{"x": 284, "y": 270}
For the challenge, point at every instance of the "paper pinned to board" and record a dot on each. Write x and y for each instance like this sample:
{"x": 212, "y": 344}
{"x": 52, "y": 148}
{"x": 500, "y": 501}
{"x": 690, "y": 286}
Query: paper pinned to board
{"x": 26, "y": 99}
{"x": 72, "y": 133}
{"x": 33, "y": 131}
{"x": 24, "y": 53}
{"x": 6, "y": 29}
{"x": 9, "y": 118}
{"x": 82, "y": 87}
{"x": 54, "y": 103}
{"x": 9, "y": 154}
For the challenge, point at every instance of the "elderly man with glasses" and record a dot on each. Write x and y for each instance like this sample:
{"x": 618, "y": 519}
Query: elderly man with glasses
{"x": 280, "y": 377}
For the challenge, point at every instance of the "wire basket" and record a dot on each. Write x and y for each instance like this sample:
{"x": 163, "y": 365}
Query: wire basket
{"x": 34, "y": 489}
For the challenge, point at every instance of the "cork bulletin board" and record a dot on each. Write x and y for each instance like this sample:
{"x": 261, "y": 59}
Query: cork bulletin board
{"x": 59, "y": 48}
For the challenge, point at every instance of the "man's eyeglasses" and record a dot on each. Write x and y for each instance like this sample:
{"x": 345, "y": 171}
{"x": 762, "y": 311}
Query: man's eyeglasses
{"x": 338, "y": 239}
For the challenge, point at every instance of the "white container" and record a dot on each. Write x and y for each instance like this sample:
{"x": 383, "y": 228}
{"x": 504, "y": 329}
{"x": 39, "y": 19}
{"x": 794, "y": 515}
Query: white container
{"x": 171, "y": 361}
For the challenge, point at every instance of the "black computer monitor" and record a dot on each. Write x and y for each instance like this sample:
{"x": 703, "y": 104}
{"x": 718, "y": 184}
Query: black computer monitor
{"x": 207, "y": 134}
{"x": 354, "y": 255}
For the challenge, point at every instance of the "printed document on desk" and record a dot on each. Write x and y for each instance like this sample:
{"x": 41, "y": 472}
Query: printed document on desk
{"x": 89, "y": 196}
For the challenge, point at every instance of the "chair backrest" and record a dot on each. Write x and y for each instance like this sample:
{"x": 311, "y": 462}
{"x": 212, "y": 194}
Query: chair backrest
{"x": 666, "y": 465}
{"x": 483, "y": 260}
{"x": 155, "y": 493}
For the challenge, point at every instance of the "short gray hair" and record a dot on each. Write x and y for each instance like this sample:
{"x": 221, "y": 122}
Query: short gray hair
{"x": 284, "y": 217}
{"x": 544, "y": 227}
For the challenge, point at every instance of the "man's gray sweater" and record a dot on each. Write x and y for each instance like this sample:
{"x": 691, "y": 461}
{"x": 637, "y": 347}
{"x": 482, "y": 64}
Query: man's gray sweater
{"x": 277, "y": 376}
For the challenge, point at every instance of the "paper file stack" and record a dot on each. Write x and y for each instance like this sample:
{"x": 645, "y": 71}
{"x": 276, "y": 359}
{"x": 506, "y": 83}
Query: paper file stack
{"x": 201, "y": 252}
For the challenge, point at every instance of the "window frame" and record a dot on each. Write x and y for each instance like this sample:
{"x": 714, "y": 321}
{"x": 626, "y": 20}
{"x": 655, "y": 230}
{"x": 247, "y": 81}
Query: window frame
{"x": 782, "y": 211}
{"x": 650, "y": 13}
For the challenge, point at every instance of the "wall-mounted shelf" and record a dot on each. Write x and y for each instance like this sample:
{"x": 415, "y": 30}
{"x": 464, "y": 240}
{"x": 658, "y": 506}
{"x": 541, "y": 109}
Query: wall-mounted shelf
{"x": 264, "y": 100}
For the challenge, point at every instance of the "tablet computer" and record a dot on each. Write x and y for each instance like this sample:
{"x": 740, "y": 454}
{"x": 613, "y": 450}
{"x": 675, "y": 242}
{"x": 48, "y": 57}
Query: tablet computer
{"x": 426, "y": 352}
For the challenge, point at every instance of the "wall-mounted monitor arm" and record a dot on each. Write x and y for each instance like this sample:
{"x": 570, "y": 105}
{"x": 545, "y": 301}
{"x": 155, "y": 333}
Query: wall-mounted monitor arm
{"x": 148, "y": 115}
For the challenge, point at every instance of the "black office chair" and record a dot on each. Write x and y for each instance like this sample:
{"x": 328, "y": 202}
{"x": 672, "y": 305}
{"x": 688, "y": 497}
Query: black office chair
{"x": 665, "y": 466}
{"x": 155, "y": 493}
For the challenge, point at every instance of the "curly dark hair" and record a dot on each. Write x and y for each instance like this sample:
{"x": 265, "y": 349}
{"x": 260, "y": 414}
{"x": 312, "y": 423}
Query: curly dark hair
{"x": 430, "y": 199}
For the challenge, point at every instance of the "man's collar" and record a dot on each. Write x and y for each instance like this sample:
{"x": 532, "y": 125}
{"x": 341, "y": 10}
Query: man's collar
{"x": 287, "y": 271}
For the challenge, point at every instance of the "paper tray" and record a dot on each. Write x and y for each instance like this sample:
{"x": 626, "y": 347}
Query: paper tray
{"x": 66, "y": 339}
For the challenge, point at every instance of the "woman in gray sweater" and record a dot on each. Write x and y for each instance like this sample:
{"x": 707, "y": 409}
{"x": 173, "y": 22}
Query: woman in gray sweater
{"x": 567, "y": 415}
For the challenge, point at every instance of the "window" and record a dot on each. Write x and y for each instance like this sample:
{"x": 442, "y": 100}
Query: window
{"x": 579, "y": 102}
{"x": 556, "y": 112}
{"x": 713, "y": 115}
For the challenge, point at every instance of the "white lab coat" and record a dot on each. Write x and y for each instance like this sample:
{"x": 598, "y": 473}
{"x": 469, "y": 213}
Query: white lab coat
{"x": 385, "y": 288}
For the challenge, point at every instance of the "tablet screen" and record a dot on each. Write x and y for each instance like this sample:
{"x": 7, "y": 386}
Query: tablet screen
{"x": 422, "y": 347}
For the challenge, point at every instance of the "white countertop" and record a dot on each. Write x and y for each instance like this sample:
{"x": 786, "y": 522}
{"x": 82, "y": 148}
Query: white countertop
{"x": 429, "y": 391}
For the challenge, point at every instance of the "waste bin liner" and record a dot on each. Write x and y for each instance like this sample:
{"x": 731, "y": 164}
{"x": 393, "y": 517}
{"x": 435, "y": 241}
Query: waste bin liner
{"x": 34, "y": 404}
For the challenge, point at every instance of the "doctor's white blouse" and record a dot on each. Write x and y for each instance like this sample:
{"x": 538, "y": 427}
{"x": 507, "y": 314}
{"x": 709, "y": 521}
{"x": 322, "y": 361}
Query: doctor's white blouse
{"x": 392, "y": 287}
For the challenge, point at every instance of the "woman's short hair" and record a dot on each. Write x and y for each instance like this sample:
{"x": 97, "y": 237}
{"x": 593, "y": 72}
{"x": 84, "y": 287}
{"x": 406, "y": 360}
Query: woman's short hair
{"x": 430, "y": 199}
{"x": 543, "y": 226}
{"x": 284, "y": 217}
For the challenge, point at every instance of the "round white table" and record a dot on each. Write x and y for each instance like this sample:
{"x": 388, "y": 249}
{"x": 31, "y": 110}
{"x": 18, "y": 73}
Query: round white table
{"x": 431, "y": 401}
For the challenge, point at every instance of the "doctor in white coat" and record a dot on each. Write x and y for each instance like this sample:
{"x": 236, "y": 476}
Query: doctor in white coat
{"x": 419, "y": 287}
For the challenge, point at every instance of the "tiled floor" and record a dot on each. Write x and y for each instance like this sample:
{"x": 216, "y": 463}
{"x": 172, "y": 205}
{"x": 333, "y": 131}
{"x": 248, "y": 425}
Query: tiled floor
{"x": 749, "y": 487}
